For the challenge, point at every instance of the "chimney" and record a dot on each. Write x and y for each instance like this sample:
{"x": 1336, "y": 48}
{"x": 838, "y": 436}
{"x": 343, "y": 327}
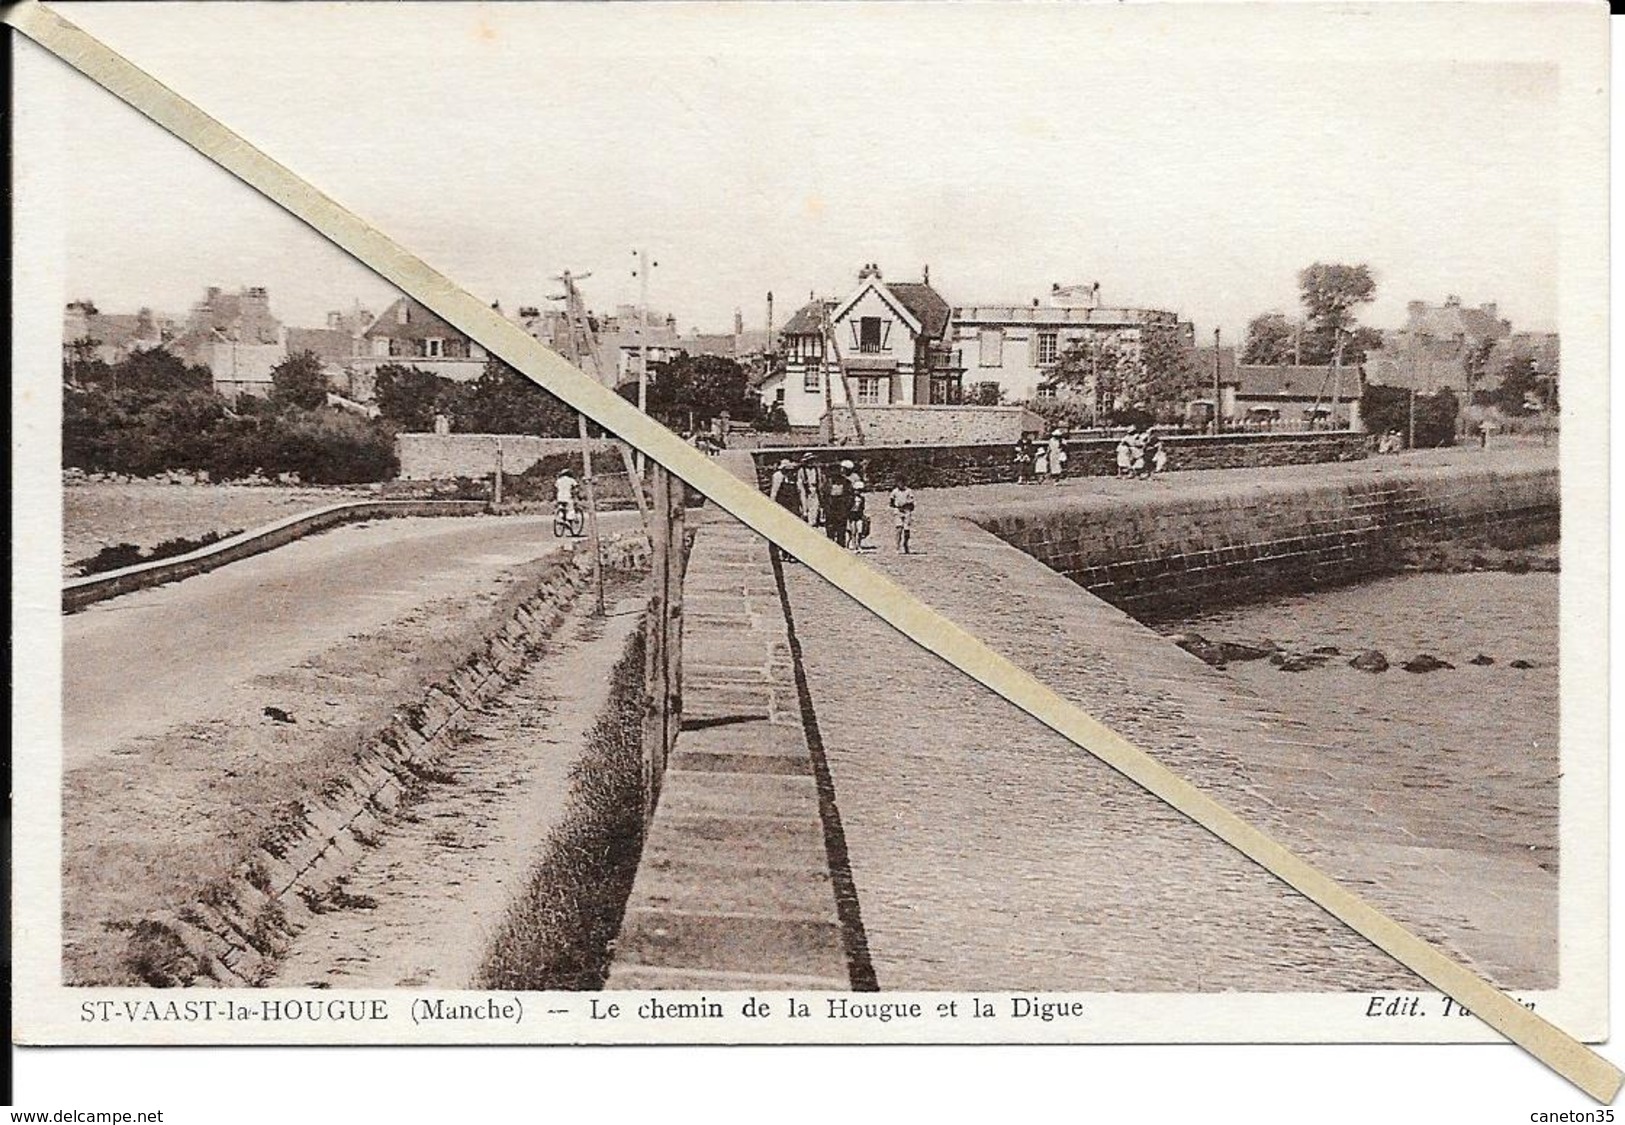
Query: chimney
{"x": 211, "y": 293}
{"x": 1489, "y": 310}
{"x": 335, "y": 321}
{"x": 926, "y": 273}
{"x": 770, "y": 320}
{"x": 739, "y": 323}
{"x": 1452, "y": 302}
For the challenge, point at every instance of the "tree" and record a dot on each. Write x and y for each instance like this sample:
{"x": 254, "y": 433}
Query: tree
{"x": 694, "y": 390}
{"x": 1096, "y": 367}
{"x": 1389, "y": 408}
{"x": 502, "y": 401}
{"x": 1521, "y": 386}
{"x": 410, "y": 397}
{"x": 988, "y": 393}
{"x": 1330, "y": 294}
{"x": 299, "y": 382}
{"x": 1269, "y": 340}
{"x": 1475, "y": 366}
{"x": 1169, "y": 379}
{"x": 155, "y": 369}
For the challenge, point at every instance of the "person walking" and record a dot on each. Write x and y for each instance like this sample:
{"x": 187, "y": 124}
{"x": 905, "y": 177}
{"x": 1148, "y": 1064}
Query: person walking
{"x": 1025, "y": 458}
{"x": 1055, "y": 461}
{"x": 807, "y": 486}
{"x": 1125, "y": 453}
{"x": 1155, "y": 458}
{"x": 858, "y": 522}
{"x": 783, "y": 490}
{"x": 901, "y": 502}
{"x": 837, "y": 503}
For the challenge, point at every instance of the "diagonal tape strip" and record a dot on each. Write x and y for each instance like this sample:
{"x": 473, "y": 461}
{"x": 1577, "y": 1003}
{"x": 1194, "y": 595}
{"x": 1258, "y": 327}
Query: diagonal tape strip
{"x": 1583, "y": 1067}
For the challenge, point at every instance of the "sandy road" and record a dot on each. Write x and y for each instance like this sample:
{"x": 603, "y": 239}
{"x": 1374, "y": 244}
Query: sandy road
{"x": 147, "y": 661}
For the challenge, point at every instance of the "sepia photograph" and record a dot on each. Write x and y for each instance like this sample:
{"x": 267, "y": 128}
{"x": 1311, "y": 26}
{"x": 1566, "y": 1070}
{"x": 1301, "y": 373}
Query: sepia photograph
{"x": 1238, "y": 377}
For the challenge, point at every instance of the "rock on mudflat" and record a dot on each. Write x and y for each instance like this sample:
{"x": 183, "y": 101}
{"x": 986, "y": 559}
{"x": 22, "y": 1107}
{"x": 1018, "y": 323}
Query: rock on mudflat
{"x": 1371, "y": 660}
{"x": 1425, "y": 662}
{"x": 1297, "y": 663}
{"x": 1482, "y": 661}
{"x": 1520, "y": 664}
{"x": 1217, "y": 653}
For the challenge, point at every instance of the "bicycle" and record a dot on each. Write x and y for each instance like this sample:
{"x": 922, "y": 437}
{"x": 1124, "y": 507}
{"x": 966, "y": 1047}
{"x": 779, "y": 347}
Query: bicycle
{"x": 568, "y": 519}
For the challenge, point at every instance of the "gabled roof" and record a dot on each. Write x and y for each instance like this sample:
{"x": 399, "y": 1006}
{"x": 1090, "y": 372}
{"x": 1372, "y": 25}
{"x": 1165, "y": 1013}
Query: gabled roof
{"x": 808, "y": 319}
{"x": 422, "y": 324}
{"x": 331, "y": 344}
{"x": 926, "y": 305}
{"x": 1291, "y": 381}
{"x": 885, "y": 295}
{"x": 1202, "y": 363}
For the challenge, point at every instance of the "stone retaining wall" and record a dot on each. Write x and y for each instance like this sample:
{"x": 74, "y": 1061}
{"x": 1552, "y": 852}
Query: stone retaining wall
{"x": 448, "y": 456}
{"x": 946, "y": 466}
{"x": 232, "y": 934}
{"x": 1169, "y": 555}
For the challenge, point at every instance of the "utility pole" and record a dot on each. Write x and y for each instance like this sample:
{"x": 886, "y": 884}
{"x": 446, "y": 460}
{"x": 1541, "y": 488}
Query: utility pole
{"x": 1218, "y": 392}
{"x": 575, "y": 313}
{"x": 1410, "y": 423}
{"x": 846, "y": 387}
{"x": 1337, "y": 373}
{"x": 643, "y": 340}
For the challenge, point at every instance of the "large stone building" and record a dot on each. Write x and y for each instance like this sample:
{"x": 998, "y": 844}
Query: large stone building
{"x": 90, "y": 335}
{"x": 1015, "y": 346}
{"x": 409, "y": 334}
{"x": 1442, "y": 346}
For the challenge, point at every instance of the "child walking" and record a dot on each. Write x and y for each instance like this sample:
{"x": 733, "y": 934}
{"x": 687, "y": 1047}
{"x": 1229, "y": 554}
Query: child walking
{"x": 902, "y": 504}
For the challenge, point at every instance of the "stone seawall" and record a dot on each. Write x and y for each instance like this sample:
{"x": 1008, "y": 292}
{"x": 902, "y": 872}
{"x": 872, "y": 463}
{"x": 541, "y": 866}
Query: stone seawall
{"x": 947, "y": 466}
{"x": 1168, "y": 554}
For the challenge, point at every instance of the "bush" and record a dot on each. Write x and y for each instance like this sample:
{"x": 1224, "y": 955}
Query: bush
{"x": 1388, "y": 408}
{"x": 142, "y": 432}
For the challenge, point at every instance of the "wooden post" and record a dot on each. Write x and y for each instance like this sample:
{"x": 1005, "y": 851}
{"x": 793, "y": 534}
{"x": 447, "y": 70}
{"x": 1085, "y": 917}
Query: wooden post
{"x": 655, "y": 661}
{"x": 496, "y": 481}
{"x": 1410, "y": 424}
{"x": 676, "y": 566}
{"x": 634, "y": 481}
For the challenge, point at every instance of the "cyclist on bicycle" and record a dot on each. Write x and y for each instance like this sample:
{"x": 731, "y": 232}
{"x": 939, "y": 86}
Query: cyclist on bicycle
{"x": 564, "y": 495}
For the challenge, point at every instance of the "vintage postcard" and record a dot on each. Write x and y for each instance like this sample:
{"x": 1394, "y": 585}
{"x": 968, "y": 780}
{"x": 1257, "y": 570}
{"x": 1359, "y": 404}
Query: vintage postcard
{"x": 1234, "y": 374}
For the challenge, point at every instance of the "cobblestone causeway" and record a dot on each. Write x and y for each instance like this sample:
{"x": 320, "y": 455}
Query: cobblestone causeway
{"x": 989, "y": 852}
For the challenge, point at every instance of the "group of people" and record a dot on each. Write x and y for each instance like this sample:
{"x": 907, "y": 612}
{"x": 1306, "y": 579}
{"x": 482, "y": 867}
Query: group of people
{"x": 1045, "y": 460}
{"x": 1141, "y": 453}
{"x": 835, "y": 499}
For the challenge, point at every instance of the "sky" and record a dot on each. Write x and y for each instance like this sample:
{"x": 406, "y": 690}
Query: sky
{"x": 1184, "y": 164}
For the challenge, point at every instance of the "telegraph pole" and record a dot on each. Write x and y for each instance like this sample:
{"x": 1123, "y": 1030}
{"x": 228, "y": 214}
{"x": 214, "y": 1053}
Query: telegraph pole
{"x": 1218, "y": 416}
{"x": 576, "y": 315}
{"x": 643, "y": 340}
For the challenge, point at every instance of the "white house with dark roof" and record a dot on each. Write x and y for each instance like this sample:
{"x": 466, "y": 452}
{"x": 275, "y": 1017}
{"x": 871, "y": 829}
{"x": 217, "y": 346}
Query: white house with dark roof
{"x": 890, "y": 338}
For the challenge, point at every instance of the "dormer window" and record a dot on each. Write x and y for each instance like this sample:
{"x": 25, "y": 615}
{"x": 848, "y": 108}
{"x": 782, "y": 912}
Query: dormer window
{"x": 434, "y": 347}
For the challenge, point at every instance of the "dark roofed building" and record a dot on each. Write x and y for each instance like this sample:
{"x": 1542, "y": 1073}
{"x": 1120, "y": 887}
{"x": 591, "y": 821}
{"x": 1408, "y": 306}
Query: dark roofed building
{"x": 410, "y": 334}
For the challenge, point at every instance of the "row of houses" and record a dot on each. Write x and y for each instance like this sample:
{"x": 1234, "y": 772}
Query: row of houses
{"x": 905, "y": 344}
{"x": 238, "y": 338}
{"x": 1454, "y": 346}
